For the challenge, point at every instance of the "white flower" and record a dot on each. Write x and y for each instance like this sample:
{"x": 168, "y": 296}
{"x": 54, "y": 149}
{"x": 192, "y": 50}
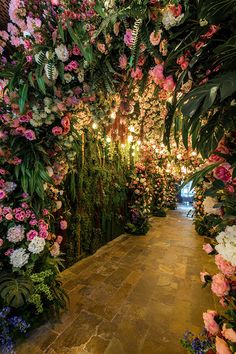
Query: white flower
{"x": 227, "y": 244}
{"x": 68, "y": 77}
{"x": 169, "y": 20}
{"x": 37, "y": 245}
{"x": 16, "y": 233}
{"x": 209, "y": 206}
{"x": 19, "y": 258}
{"x": 49, "y": 171}
{"x": 62, "y": 52}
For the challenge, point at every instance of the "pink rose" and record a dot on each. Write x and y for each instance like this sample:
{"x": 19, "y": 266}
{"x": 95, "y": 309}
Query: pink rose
{"x": 33, "y": 222}
{"x": 224, "y": 266}
{"x": 221, "y": 346}
{"x": 157, "y": 74}
{"x": 9, "y": 216}
{"x": 128, "y": 38}
{"x": 175, "y": 10}
{"x": 123, "y": 61}
{"x": 65, "y": 122}
{"x": 207, "y": 248}
{"x": 209, "y": 321}
{"x": 55, "y": 2}
{"x": 220, "y": 286}
{"x": 57, "y": 130}
{"x": 229, "y": 333}
{"x": 229, "y": 189}
{"x": 202, "y": 276}
{"x": 45, "y": 212}
{"x": 29, "y": 134}
{"x": 155, "y": 38}
{"x": 222, "y": 173}
{"x": 9, "y": 252}
{"x": 2, "y": 194}
{"x": 101, "y": 47}
{"x": 169, "y": 84}
{"x": 63, "y": 224}
{"x": 1, "y": 242}
{"x": 43, "y": 233}
{"x": 31, "y": 235}
{"x": 55, "y": 249}
{"x": 136, "y": 74}
{"x": 216, "y": 158}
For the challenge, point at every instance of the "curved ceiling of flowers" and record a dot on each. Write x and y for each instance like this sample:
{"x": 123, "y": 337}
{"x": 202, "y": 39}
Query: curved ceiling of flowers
{"x": 4, "y": 18}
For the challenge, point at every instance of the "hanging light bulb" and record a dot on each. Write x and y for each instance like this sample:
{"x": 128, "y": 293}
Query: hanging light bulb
{"x": 133, "y": 154}
{"x": 113, "y": 115}
{"x": 108, "y": 139}
{"x": 131, "y": 129}
{"x": 94, "y": 125}
{"x": 139, "y": 142}
{"x": 179, "y": 156}
{"x": 194, "y": 153}
{"x": 123, "y": 146}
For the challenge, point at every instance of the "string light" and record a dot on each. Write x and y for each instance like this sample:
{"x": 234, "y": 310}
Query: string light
{"x": 113, "y": 115}
{"x": 131, "y": 129}
{"x": 130, "y": 138}
{"x": 108, "y": 139}
{"x": 94, "y": 125}
{"x": 139, "y": 142}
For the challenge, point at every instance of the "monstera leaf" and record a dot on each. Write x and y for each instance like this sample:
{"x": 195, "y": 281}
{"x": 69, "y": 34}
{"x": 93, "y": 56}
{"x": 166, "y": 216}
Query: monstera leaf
{"x": 14, "y": 290}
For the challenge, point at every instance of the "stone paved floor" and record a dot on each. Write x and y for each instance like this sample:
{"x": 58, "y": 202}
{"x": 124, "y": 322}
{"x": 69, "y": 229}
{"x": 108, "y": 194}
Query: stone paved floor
{"x": 136, "y": 295}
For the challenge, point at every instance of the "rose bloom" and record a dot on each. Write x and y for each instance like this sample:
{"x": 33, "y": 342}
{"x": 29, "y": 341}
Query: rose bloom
{"x": 157, "y": 74}
{"x": 57, "y": 130}
{"x": 29, "y": 134}
{"x": 31, "y": 235}
{"x": 229, "y": 333}
{"x": 222, "y": 173}
{"x": 222, "y": 347}
{"x": 155, "y": 38}
{"x": 2, "y": 194}
{"x": 65, "y": 122}
{"x": 207, "y": 248}
{"x": 63, "y": 224}
{"x": 101, "y": 47}
{"x": 169, "y": 84}
{"x": 9, "y": 216}
{"x": 220, "y": 286}
{"x": 210, "y": 324}
{"x": 224, "y": 266}
{"x": 128, "y": 38}
{"x": 176, "y": 10}
{"x": 123, "y": 61}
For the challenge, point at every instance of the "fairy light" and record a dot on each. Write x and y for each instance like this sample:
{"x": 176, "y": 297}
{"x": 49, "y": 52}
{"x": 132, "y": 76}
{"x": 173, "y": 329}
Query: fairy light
{"x": 123, "y": 146}
{"x": 108, "y": 139}
{"x": 131, "y": 129}
{"x": 130, "y": 138}
{"x": 194, "y": 153}
{"x": 113, "y": 115}
{"x": 94, "y": 125}
{"x": 133, "y": 154}
{"x": 139, "y": 142}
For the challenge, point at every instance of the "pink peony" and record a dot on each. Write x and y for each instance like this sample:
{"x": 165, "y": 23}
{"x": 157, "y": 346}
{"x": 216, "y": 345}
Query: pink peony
{"x": 229, "y": 333}
{"x": 155, "y": 38}
{"x": 209, "y": 321}
{"x": 128, "y": 38}
{"x": 63, "y": 224}
{"x": 220, "y": 286}
{"x": 202, "y": 276}
{"x": 169, "y": 84}
{"x": 31, "y": 235}
{"x": 222, "y": 173}
{"x": 136, "y": 74}
{"x": 221, "y": 346}
{"x": 224, "y": 266}
{"x": 123, "y": 61}
{"x": 29, "y": 134}
{"x": 207, "y": 248}
{"x": 57, "y": 130}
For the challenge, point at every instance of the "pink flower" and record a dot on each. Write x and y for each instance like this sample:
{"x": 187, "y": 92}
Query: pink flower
{"x": 176, "y": 10}
{"x": 101, "y": 47}
{"x": 202, "y": 276}
{"x": 229, "y": 333}
{"x": 9, "y": 252}
{"x": 2, "y": 194}
{"x": 57, "y": 130}
{"x": 209, "y": 321}
{"x": 222, "y": 173}
{"x": 212, "y": 30}
{"x": 45, "y": 212}
{"x": 65, "y": 122}
{"x": 1, "y": 242}
{"x": 33, "y": 222}
{"x": 29, "y": 134}
{"x": 169, "y": 84}
{"x": 9, "y": 216}
{"x": 220, "y": 285}
{"x": 55, "y": 2}
{"x": 155, "y": 38}
{"x": 31, "y": 235}
{"x": 136, "y": 74}
{"x": 224, "y": 266}
{"x": 123, "y": 61}
{"x": 63, "y": 224}
{"x": 207, "y": 248}
{"x": 157, "y": 74}
{"x": 76, "y": 50}
{"x": 43, "y": 233}
{"x": 199, "y": 45}
{"x": 230, "y": 189}
{"x": 128, "y": 38}
{"x": 221, "y": 346}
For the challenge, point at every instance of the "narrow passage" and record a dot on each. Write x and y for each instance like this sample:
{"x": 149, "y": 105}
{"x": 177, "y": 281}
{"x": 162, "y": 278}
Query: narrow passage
{"x": 136, "y": 295}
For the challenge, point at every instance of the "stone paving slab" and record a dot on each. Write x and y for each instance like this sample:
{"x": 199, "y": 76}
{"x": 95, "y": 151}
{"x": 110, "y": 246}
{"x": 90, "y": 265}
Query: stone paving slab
{"x": 135, "y": 295}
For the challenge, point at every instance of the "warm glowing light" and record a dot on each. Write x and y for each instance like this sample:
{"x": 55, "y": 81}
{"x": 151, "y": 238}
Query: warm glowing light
{"x": 123, "y": 146}
{"x": 139, "y": 142}
{"x": 130, "y": 138}
{"x": 131, "y": 129}
{"x": 133, "y": 154}
{"x": 113, "y": 115}
{"x": 194, "y": 153}
{"x": 94, "y": 125}
{"x": 179, "y": 156}
{"x": 154, "y": 146}
{"x": 108, "y": 139}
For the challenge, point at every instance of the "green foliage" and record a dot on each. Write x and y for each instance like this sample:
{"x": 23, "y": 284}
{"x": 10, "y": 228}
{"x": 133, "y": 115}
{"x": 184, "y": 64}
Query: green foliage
{"x": 208, "y": 225}
{"x": 15, "y": 290}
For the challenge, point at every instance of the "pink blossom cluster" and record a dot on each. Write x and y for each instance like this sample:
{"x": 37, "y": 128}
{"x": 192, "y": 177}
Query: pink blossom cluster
{"x": 157, "y": 75}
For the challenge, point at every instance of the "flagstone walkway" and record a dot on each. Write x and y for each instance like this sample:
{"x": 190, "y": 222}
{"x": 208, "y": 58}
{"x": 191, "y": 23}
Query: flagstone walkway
{"x": 136, "y": 295}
